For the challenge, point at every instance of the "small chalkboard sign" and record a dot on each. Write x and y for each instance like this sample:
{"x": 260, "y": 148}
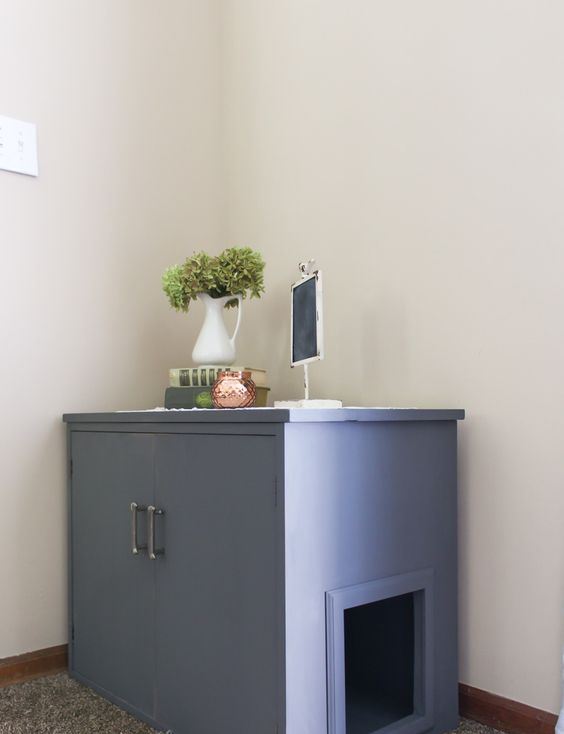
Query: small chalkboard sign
{"x": 306, "y": 325}
{"x": 307, "y": 320}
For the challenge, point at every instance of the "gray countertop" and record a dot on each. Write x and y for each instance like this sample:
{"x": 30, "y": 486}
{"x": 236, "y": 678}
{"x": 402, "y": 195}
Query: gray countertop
{"x": 269, "y": 415}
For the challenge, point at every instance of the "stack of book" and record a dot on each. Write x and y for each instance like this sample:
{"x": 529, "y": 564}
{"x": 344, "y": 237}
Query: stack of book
{"x": 190, "y": 387}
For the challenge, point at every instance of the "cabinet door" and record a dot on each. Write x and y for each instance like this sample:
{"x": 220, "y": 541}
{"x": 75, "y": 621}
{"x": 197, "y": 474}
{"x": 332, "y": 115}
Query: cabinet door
{"x": 112, "y": 590}
{"x": 217, "y": 614}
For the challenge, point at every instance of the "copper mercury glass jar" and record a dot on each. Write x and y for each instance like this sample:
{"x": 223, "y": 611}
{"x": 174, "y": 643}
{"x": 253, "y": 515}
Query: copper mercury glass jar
{"x": 233, "y": 390}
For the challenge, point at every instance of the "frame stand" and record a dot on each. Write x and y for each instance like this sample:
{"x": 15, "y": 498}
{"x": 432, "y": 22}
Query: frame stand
{"x": 311, "y": 312}
{"x": 307, "y": 403}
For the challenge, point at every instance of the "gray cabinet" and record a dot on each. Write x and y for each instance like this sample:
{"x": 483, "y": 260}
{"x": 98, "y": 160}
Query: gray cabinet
{"x": 303, "y": 579}
{"x": 216, "y": 621}
{"x": 112, "y": 590}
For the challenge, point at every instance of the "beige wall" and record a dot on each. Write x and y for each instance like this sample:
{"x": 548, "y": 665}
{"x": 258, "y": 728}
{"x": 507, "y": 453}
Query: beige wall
{"x": 125, "y": 95}
{"x": 417, "y": 150}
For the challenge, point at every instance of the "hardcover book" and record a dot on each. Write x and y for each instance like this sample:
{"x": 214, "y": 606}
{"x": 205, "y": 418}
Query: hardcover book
{"x": 206, "y": 375}
{"x": 200, "y": 397}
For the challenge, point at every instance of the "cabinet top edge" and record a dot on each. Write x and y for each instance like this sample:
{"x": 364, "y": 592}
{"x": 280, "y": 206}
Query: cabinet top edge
{"x": 270, "y": 415}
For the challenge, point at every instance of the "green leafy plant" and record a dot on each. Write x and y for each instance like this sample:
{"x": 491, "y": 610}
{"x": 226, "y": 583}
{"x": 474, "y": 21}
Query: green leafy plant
{"x": 235, "y": 271}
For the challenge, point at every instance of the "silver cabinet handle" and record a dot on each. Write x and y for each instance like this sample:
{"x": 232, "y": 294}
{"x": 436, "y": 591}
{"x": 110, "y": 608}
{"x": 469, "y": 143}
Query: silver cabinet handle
{"x": 135, "y": 508}
{"x": 153, "y": 552}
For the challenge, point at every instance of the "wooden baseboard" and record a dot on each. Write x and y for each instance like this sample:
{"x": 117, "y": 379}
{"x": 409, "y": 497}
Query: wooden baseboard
{"x": 33, "y": 665}
{"x": 502, "y": 713}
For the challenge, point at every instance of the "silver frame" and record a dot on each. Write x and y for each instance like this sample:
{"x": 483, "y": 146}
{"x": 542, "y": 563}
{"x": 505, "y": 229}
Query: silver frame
{"x": 319, "y": 329}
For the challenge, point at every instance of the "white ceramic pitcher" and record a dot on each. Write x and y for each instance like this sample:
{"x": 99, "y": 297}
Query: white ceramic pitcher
{"x": 214, "y": 345}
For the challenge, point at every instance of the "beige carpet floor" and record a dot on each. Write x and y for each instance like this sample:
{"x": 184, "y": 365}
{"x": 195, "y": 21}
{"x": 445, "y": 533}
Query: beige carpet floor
{"x": 59, "y": 705}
